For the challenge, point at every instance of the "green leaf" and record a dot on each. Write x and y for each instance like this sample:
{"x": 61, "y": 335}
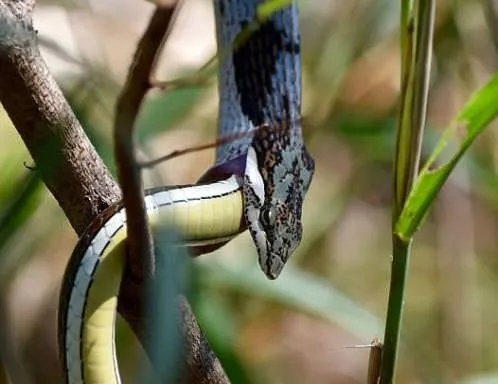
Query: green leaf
{"x": 164, "y": 304}
{"x": 18, "y": 204}
{"x": 299, "y": 290}
{"x": 217, "y": 322}
{"x": 481, "y": 109}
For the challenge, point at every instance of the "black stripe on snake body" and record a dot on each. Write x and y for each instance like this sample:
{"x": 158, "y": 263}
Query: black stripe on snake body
{"x": 247, "y": 60}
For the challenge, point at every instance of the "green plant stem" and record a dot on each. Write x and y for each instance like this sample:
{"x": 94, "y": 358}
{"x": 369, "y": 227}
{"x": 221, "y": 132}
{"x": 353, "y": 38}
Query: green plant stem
{"x": 417, "y": 23}
{"x": 405, "y": 32}
{"x": 404, "y": 172}
{"x": 399, "y": 272}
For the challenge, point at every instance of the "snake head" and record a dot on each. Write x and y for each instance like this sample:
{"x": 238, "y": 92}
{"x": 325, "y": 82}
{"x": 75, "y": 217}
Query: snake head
{"x": 277, "y": 175}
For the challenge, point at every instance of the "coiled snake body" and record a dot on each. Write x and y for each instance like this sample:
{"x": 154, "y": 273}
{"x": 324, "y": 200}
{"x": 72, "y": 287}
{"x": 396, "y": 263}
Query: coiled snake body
{"x": 258, "y": 182}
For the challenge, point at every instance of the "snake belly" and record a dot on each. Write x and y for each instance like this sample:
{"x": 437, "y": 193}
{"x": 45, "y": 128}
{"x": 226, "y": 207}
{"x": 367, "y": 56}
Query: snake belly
{"x": 258, "y": 182}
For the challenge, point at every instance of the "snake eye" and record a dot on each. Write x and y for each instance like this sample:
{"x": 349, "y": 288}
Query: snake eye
{"x": 267, "y": 216}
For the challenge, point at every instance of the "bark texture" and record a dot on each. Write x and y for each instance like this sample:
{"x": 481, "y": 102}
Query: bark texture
{"x": 64, "y": 156}
{"x": 70, "y": 166}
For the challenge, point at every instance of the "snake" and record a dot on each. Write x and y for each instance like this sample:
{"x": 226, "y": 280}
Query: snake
{"x": 258, "y": 182}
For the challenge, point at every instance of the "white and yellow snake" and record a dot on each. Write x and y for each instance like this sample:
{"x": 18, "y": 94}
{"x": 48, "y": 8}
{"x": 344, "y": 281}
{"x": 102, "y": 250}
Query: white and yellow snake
{"x": 258, "y": 182}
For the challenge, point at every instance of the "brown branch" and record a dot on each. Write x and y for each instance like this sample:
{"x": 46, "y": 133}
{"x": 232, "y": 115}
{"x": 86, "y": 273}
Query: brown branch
{"x": 65, "y": 158}
{"x": 69, "y": 164}
{"x": 373, "y": 372}
{"x": 140, "y": 256}
{"x": 202, "y": 366}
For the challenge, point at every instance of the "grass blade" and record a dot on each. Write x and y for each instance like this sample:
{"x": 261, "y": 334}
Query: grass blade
{"x": 481, "y": 109}
{"x": 417, "y": 31}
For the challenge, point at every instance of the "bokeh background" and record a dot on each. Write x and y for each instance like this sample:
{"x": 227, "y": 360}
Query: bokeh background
{"x": 308, "y": 326}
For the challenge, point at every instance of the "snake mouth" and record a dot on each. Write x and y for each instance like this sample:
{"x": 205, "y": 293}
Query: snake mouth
{"x": 275, "y": 266}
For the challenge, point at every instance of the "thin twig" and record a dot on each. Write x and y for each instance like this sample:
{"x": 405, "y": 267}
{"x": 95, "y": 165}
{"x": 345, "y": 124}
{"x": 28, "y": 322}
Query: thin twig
{"x": 207, "y": 70}
{"x": 374, "y": 360}
{"x": 140, "y": 256}
{"x": 200, "y": 147}
{"x": 183, "y": 82}
{"x": 201, "y": 362}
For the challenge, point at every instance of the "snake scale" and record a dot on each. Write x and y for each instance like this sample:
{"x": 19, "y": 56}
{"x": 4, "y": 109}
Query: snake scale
{"x": 258, "y": 182}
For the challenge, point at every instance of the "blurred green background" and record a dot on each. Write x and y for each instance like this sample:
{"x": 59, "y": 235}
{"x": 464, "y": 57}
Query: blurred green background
{"x": 332, "y": 296}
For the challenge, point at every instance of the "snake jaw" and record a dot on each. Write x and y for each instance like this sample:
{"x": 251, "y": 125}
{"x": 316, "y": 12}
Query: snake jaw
{"x": 276, "y": 264}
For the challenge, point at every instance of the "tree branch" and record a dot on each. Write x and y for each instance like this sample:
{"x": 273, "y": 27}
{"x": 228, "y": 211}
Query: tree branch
{"x": 140, "y": 262}
{"x": 70, "y": 166}
{"x": 140, "y": 255}
{"x": 65, "y": 158}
